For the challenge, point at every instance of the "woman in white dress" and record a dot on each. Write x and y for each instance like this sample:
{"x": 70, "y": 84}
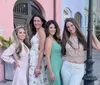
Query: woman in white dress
{"x": 36, "y": 66}
{"x": 18, "y": 54}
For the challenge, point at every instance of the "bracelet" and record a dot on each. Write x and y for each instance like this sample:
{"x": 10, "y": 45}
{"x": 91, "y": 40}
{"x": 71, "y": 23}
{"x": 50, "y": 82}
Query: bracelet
{"x": 37, "y": 70}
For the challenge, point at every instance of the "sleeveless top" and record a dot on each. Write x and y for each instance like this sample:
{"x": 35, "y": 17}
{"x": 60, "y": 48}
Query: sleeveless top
{"x": 77, "y": 53}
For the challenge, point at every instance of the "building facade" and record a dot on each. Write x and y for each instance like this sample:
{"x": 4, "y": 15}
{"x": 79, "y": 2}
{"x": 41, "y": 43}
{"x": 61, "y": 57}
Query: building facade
{"x": 14, "y": 12}
{"x": 98, "y": 12}
{"x": 86, "y": 9}
{"x": 75, "y": 9}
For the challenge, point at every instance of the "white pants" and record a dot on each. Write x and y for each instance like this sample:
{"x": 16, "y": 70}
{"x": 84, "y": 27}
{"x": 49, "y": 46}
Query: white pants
{"x": 72, "y": 73}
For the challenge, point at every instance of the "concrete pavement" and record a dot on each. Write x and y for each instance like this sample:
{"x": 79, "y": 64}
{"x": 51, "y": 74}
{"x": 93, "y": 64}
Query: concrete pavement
{"x": 96, "y": 66}
{"x": 5, "y": 83}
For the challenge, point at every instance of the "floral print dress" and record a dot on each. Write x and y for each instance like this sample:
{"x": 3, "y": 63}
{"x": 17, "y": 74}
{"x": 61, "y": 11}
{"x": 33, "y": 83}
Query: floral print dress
{"x": 34, "y": 53}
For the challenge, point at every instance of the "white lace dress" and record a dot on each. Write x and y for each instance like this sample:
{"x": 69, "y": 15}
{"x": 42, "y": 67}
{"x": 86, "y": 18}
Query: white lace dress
{"x": 34, "y": 54}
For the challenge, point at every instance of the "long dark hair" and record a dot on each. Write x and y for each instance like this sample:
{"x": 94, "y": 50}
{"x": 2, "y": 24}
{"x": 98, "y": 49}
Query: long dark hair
{"x": 33, "y": 29}
{"x": 57, "y": 34}
{"x": 66, "y": 35}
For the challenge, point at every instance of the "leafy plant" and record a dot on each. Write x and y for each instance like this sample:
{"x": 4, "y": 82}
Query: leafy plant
{"x": 98, "y": 32}
{"x": 5, "y": 43}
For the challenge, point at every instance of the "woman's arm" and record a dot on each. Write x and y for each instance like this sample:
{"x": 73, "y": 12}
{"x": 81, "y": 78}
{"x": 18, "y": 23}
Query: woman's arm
{"x": 48, "y": 52}
{"x": 7, "y": 54}
{"x": 42, "y": 38}
{"x": 95, "y": 41}
{"x": 48, "y": 48}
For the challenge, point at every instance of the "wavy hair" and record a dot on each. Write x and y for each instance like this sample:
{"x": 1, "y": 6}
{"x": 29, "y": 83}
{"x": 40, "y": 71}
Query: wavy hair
{"x": 66, "y": 35}
{"x": 32, "y": 27}
{"x": 56, "y": 36}
{"x": 17, "y": 42}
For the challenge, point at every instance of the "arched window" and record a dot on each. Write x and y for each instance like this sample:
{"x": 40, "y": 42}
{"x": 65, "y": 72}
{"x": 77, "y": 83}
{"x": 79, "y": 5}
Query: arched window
{"x": 67, "y": 13}
{"x": 78, "y": 17}
{"x": 24, "y": 10}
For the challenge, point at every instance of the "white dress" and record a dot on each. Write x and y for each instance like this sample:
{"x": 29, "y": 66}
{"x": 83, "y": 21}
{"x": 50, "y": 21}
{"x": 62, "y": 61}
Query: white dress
{"x": 34, "y": 54}
{"x": 20, "y": 73}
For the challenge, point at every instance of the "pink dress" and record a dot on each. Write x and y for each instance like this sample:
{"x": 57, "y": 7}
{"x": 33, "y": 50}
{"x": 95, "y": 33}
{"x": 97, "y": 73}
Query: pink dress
{"x": 20, "y": 73}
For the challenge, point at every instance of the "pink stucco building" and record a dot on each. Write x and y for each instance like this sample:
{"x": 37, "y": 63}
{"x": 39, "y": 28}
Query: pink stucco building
{"x": 51, "y": 9}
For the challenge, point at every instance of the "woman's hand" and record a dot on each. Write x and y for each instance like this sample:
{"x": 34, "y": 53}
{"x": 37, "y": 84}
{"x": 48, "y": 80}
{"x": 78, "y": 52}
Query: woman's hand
{"x": 37, "y": 72}
{"x": 52, "y": 77}
{"x": 16, "y": 65}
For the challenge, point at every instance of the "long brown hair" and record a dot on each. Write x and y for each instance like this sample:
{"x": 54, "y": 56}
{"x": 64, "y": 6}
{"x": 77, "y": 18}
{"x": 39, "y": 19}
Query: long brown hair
{"x": 57, "y": 34}
{"x": 66, "y": 35}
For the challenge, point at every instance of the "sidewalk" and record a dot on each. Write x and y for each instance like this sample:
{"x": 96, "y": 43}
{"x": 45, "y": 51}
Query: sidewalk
{"x": 96, "y": 66}
{"x": 9, "y": 83}
{"x": 5, "y": 83}
{"x": 95, "y": 83}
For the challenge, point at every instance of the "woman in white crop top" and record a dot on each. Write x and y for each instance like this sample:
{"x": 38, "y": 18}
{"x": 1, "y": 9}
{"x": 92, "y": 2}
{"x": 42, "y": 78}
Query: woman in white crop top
{"x": 73, "y": 48}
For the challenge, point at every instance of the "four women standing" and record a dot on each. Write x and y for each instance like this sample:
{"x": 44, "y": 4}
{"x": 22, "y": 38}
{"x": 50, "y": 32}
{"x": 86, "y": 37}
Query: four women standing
{"x": 72, "y": 46}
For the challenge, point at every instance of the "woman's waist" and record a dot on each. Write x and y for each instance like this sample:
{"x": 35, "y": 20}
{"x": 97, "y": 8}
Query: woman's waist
{"x": 56, "y": 57}
{"x": 73, "y": 65}
{"x": 33, "y": 50}
{"x": 78, "y": 60}
{"x": 56, "y": 62}
{"x": 56, "y": 65}
{"x": 56, "y": 54}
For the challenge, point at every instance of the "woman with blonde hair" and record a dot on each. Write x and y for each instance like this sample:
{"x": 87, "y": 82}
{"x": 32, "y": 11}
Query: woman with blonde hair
{"x": 18, "y": 54}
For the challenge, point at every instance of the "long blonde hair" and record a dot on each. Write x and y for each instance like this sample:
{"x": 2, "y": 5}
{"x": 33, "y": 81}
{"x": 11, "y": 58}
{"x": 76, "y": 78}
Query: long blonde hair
{"x": 17, "y": 42}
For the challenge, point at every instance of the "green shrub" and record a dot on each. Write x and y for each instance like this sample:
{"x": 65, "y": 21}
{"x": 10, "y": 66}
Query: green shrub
{"x": 98, "y": 32}
{"x": 5, "y": 43}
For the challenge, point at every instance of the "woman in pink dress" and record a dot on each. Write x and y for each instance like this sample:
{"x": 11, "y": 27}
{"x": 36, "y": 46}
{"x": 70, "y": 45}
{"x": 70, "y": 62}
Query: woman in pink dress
{"x": 18, "y": 54}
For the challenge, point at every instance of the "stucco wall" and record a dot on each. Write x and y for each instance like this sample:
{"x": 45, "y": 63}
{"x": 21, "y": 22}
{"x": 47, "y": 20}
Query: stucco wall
{"x": 6, "y": 14}
{"x": 74, "y": 6}
{"x": 48, "y": 6}
{"x": 6, "y": 17}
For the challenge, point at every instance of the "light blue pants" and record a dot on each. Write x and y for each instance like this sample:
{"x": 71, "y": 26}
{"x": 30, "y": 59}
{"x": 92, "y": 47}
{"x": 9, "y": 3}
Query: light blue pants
{"x": 72, "y": 73}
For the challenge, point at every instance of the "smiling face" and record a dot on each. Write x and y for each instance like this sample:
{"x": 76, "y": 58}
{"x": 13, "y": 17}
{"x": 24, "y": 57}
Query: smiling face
{"x": 71, "y": 28}
{"x": 21, "y": 34}
{"x": 52, "y": 29}
{"x": 37, "y": 22}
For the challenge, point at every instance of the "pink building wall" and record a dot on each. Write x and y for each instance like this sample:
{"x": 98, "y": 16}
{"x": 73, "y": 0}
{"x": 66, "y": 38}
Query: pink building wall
{"x": 6, "y": 18}
{"x": 58, "y": 12}
{"x": 49, "y": 9}
{"x": 6, "y": 24}
{"x": 6, "y": 14}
